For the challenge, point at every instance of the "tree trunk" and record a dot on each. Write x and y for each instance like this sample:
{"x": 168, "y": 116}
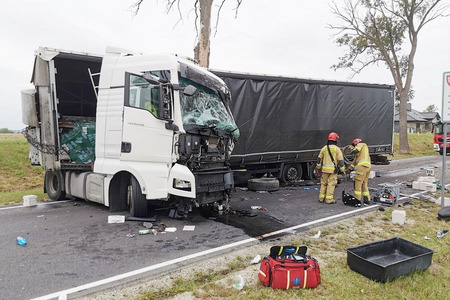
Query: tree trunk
{"x": 201, "y": 51}
{"x": 403, "y": 123}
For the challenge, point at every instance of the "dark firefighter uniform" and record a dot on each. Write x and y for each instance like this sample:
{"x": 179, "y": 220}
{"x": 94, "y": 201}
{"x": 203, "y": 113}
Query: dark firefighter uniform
{"x": 329, "y": 169}
{"x": 363, "y": 166}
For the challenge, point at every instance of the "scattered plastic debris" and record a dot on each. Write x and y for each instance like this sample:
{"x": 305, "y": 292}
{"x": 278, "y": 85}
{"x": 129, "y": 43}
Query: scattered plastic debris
{"x": 147, "y": 225}
{"x": 316, "y": 188}
{"x": 239, "y": 283}
{"x": 130, "y": 235}
{"x": 21, "y": 241}
{"x": 306, "y": 188}
{"x": 256, "y": 259}
{"x": 116, "y": 219}
{"x": 189, "y": 228}
{"x": 154, "y": 231}
{"x": 317, "y": 235}
{"x": 170, "y": 229}
{"x": 258, "y": 207}
{"x": 144, "y": 231}
{"x": 441, "y": 233}
{"x": 262, "y": 192}
{"x": 426, "y": 238}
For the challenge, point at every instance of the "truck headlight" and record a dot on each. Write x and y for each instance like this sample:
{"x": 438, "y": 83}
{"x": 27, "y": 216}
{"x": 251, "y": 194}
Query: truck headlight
{"x": 181, "y": 184}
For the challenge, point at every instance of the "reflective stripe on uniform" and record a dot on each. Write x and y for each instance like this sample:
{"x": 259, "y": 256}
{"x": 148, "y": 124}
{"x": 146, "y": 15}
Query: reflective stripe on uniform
{"x": 363, "y": 162}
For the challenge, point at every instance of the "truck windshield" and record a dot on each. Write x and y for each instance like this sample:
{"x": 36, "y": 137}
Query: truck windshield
{"x": 206, "y": 108}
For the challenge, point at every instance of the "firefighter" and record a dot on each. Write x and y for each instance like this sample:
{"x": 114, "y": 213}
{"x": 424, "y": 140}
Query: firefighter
{"x": 363, "y": 166}
{"x": 329, "y": 163}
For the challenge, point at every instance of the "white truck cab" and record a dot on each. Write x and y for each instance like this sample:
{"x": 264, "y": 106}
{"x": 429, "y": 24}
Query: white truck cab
{"x": 130, "y": 130}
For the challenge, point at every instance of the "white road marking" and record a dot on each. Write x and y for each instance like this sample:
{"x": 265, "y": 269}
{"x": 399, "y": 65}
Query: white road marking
{"x": 39, "y": 204}
{"x": 63, "y": 294}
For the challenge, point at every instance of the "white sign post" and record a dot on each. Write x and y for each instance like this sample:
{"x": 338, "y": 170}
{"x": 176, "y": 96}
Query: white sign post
{"x": 445, "y": 119}
{"x": 446, "y": 98}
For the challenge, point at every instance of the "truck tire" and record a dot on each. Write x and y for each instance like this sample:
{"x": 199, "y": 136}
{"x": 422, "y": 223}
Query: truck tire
{"x": 138, "y": 202}
{"x": 263, "y": 184}
{"x": 54, "y": 185}
{"x": 291, "y": 173}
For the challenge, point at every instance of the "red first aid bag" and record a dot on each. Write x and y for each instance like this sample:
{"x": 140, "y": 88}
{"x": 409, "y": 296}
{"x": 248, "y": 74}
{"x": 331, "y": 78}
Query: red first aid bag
{"x": 289, "y": 268}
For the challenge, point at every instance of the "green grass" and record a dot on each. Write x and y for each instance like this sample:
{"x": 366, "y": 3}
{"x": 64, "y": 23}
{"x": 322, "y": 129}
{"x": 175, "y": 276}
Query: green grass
{"x": 17, "y": 176}
{"x": 420, "y": 144}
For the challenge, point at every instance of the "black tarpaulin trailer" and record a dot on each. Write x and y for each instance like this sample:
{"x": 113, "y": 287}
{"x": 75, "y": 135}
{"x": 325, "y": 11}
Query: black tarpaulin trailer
{"x": 284, "y": 122}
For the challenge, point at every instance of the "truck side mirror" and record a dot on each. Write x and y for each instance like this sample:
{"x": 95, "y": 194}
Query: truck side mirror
{"x": 165, "y": 103}
{"x": 190, "y": 90}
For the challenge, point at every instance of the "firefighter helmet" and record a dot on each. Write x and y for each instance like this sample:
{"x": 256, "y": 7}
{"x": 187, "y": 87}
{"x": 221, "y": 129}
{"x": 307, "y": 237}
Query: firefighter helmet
{"x": 333, "y": 136}
{"x": 356, "y": 142}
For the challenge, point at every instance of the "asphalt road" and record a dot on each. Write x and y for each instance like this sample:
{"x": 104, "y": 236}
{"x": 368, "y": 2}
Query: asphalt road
{"x": 71, "y": 244}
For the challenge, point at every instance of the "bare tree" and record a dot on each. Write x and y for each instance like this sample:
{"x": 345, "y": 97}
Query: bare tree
{"x": 376, "y": 31}
{"x": 203, "y": 10}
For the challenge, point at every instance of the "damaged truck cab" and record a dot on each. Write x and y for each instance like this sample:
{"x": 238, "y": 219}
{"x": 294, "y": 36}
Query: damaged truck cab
{"x": 129, "y": 130}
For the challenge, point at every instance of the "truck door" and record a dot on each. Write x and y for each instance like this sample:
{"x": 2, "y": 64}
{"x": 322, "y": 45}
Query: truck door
{"x": 146, "y": 143}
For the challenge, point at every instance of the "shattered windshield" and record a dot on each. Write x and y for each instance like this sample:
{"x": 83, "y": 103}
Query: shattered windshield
{"x": 205, "y": 108}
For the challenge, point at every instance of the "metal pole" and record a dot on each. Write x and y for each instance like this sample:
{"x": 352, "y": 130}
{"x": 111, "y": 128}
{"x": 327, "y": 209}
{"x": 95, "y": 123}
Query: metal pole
{"x": 444, "y": 154}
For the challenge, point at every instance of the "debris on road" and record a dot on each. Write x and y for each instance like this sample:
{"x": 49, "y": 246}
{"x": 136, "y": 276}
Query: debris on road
{"x": 21, "y": 241}
{"x": 29, "y": 200}
{"x": 149, "y": 219}
{"x": 144, "y": 231}
{"x": 147, "y": 225}
{"x": 189, "y": 228}
{"x": 258, "y": 207}
{"x": 130, "y": 235}
{"x": 170, "y": 229}
{"x": 116, "y": 219}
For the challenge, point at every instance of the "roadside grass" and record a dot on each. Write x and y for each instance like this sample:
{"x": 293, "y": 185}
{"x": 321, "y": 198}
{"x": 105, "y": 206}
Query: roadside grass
{"x": 420, "y": 144}
{"x": 17, "y": 176}
{"x": 338, "y": 280}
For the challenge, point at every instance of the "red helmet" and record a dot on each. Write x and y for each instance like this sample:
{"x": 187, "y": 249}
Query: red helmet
{"x": 356, "y": 142}
{"x": 333, "y": 136}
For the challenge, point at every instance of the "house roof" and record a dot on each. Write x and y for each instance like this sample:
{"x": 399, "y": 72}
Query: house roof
{"x": 416, "y": 116}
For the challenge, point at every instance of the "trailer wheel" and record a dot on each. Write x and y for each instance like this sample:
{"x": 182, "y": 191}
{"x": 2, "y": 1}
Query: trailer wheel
{"x": 54, "y": 185}
{"x": 137, "y": 200}
{"x": 312, "y": 173}
{"x": 291, "y": 173}
{"x": 263, "y": 184}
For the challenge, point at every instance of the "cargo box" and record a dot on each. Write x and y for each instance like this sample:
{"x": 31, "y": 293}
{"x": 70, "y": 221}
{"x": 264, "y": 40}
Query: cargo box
{"x": 388, "y": 259}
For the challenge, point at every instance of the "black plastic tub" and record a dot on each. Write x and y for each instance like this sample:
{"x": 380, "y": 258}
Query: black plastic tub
{"x": 386, "y": 260}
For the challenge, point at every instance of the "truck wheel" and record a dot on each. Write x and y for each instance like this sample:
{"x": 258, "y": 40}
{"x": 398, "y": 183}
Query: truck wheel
{"x": 291, "y": 173}
{"x": 137, "y": 200}
{"x": 54, "y": 182}
{"x": 263, "y": 184}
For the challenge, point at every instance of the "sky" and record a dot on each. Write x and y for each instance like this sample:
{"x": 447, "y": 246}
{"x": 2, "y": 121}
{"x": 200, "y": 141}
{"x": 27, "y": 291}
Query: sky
{"x": 288, "y": 38}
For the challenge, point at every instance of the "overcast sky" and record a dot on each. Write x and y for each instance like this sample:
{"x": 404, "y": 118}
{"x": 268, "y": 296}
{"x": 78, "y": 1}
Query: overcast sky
{"x": 286, "y": 37}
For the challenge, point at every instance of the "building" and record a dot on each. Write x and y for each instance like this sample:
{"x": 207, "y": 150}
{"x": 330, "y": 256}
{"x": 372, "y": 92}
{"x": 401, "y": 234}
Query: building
{"x": 417, "y": 122}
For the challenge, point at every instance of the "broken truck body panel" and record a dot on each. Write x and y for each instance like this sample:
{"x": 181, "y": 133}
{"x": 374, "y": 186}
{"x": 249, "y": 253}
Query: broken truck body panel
{"x": 125, "y": 128}
{"x": 284, "y": 122}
